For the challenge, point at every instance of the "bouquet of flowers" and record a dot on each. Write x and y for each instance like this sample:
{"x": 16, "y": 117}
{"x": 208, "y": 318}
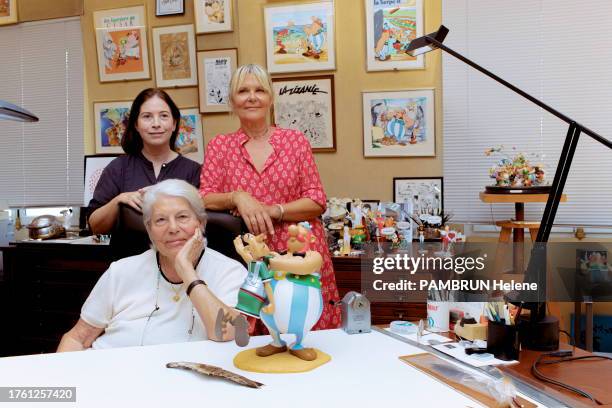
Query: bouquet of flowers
{"x": 515, "y": 169}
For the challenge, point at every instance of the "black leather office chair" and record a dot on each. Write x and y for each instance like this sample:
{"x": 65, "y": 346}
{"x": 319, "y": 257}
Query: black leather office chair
{"x": 130, "y": 235}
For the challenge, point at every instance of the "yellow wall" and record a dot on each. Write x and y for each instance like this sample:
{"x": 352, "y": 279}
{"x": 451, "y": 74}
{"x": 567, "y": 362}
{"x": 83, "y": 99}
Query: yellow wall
{"x": 344, "y": 173}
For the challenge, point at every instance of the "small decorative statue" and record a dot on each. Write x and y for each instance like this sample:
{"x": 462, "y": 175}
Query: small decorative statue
{"x": 294, "y": 292}
{"x": 256, "y": 287}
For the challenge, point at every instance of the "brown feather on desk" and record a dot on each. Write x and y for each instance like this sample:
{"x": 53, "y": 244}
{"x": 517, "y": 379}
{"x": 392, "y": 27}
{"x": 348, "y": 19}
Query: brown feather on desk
{"x": 215, "y": 372}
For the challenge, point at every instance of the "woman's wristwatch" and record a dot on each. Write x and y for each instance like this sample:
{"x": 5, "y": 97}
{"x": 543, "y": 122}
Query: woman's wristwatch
{"x": 193, "y": 285}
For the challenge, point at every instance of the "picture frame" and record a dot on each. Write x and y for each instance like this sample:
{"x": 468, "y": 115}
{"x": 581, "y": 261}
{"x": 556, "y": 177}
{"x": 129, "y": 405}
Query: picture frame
{"x": 121, "y": 44}
{"x": 94, "y": 165}
{"x": 174, "y": 50}
{"x": 300, "y": 37}
{"x": 169, "y": 7}
{"x": 426, "y": 193}
{"x": 8, "y": 12}
{"x": 215, "y": 69}
{"x": 390, "y": 26}
{"x": 110, "y": 123}
{"x": 307, "y": 104}
{"x": 399, "y": 123}
{"x": 189, "y": 141}
{"x": 213, "y": 16}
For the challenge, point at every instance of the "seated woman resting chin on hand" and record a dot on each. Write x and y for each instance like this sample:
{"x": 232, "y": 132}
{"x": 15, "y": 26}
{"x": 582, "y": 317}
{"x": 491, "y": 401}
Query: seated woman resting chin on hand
{"x": 176, "y": 292}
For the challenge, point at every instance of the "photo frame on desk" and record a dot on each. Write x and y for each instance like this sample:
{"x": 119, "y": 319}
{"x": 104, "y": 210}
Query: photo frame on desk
{"x": 307, "y": 104}
{"x": 426, "y": 193}
{"x": 213, "y": 16}
{"x": 8, "y": 12}
{"x": 215, "y": 69}
{"x": 94, "y": 166}
{"x": 175, "y": 56}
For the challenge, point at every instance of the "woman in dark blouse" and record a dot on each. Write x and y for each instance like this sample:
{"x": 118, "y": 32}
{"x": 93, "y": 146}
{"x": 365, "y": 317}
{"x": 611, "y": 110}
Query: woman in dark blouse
{"x": 148, "y": 142}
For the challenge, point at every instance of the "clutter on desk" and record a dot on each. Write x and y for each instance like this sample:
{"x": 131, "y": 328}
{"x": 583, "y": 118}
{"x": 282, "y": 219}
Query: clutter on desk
{"x": 215, "y": 371}
{"x": 352, "y": 223}
{"x": 486, "y": 390}
{"x": 472, "y": 353}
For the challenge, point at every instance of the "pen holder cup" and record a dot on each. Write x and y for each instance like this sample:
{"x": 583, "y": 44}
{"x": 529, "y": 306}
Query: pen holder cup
{"x": 503, "y": 341}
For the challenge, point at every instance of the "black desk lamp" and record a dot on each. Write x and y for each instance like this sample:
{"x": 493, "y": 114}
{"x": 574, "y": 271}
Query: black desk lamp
{"x": 9, "y": 111}
{"x": 541, "y": 332}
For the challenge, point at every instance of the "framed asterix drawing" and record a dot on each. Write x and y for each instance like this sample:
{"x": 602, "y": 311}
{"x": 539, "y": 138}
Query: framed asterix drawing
{"x": 399, "y": 123}
{"x": 121, "y": 44}
{"x": 300, "y": 37}
{"x": 307, "y": 104}
{"x": 175, "y": 56}
{"x": 110, "y": 123}
{"x": 169, "y": 7}
{"x": 189, "y": 141}
{"x": 213, "y": 16}
{"x": 425, "y": 193}
{"x": 215, "y": 69}
{"x": 390, "y": 26}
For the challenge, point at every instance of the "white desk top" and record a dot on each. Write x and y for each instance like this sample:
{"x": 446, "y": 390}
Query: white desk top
{"x": 364, "y": 369}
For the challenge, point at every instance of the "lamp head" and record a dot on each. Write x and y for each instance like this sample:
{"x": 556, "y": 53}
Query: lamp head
{"x": 9, "y": 111}
{"x": 425, "y": 44}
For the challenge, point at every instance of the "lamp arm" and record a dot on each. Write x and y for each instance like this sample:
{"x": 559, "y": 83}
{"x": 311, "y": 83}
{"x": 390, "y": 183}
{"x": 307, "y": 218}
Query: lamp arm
{"x": 524, "y": 94}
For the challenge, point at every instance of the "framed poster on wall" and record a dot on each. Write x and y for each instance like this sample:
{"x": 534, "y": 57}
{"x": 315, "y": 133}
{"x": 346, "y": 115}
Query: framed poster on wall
{"x": 175, "y": 56}
{"x": 399, "y": 123}
{"x": 307, "y": 104}
{"x": 215, "y": 69}
{"x": 390, "y": 26}
{"x": 300, "y": 37}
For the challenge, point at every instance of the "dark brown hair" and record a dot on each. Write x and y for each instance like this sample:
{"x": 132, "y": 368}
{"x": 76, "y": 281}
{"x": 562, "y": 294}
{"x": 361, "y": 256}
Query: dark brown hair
{"x": 132, "y": 141}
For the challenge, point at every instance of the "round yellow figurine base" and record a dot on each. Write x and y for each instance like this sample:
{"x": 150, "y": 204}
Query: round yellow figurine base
{"x": 280, "y": 363}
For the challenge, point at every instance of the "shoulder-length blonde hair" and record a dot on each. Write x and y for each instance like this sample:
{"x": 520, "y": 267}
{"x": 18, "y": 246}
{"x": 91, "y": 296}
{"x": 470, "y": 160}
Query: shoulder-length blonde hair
{"x": 240, "y": 74}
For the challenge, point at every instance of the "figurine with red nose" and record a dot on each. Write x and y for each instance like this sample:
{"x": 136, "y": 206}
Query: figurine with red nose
{"x": 296, "y": 288}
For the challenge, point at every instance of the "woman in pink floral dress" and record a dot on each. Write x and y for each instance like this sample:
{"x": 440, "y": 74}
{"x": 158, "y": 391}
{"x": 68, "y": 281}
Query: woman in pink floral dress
{"x": 268, "y": 176}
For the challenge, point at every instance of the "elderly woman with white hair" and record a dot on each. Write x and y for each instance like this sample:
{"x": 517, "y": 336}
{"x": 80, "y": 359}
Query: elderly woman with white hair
{"x": 177, "y": 291}
{"x": 269, "y": 177}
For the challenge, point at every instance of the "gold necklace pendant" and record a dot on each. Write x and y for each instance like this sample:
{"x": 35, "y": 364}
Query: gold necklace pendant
{"x": 176, "y": 297}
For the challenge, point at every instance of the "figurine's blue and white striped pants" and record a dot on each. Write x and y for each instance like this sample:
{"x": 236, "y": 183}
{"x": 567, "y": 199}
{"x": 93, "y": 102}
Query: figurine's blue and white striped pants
{"x": 297, "y": 308}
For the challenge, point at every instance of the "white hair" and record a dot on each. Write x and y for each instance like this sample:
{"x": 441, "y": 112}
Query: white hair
{"x": 173, "y": 188}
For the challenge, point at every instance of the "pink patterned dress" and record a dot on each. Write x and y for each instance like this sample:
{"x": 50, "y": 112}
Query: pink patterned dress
{"x": 289, "y": 173}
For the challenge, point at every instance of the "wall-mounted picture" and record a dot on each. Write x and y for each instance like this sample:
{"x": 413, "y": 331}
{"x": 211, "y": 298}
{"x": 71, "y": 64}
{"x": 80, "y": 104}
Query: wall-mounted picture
{"x": 189, "y": 141}
{"x": 175, "y": 56}
{"x": 94, "y": 166}
{"x": 213, "y": 16}
{"x": 121, "y": 43}
{"x": 169, "y": 7}
{"x": 215, "y": 69}
{"x": 110, "y": 119}
{"x": 307, "y": 104}
{"x": 425, "y": 193}
{"x": 390, "y": 26}
{"x": 8, "y": 12}
{"x": 126, "y": 17}
{"x": 300, "y": 37}
{"x": 399, "y": 123}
